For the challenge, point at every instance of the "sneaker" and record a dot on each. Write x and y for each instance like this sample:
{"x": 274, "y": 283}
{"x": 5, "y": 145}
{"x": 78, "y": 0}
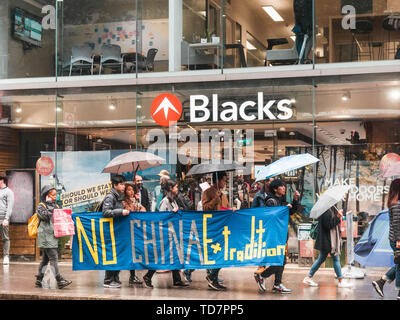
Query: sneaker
{"x": 215, "y": 285}
{"x": 260, "y": 282}
{"x": 112, "y": 284}
{"x": 180, "y": 284}
{"x": 378, "y": 285}
{"x": 134, "y": 280}
{"x": 188, "y": 275}
{"x": 344, "y": 284}
{"x": 6, "y": 260}
{"x": 147, "y": 282}
{"x": 281, "y": 289}
{"x": 310, "y": 282}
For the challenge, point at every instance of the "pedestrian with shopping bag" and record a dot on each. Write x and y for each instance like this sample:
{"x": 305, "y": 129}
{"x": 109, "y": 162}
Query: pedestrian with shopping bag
{"x": 46, "y": 239}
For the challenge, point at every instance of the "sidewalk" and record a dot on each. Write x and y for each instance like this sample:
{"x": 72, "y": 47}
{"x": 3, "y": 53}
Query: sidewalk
{"x": 17, "y": 282}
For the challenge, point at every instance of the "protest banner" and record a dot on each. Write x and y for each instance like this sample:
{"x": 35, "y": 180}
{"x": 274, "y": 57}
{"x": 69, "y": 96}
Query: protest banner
{"x": 182, "y": 240}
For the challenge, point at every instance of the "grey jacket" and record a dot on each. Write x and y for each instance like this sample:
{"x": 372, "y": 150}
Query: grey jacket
{"x": 45, "y": 234}
{"x": 394, "y": 218}
{"x": 167, "y": 205}
{"x": 112, "y": 204}
{"x": 6, "y": 203}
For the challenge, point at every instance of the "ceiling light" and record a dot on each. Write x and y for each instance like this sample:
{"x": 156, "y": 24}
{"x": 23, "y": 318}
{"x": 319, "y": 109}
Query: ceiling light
{"x": 282, "y": 129}
{"x": 394, "y": 94}
{"x": 111, "y": 107}
{"x": 293, "y": 38}
{"x": 293, "y": 100}
{"x": 139, "y": 106}
{"x": 272, "y": 13}
{"x": 58, "y": 109}
{"x": 18, "y": 110}
{"x": 346, "y": 96}
{"x": 249, "y": 46}
{"x": 291, "y": 133}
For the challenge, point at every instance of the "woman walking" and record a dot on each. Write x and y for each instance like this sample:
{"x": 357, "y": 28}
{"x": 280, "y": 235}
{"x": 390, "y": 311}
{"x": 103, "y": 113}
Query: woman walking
{"x": 328, "y": 241}
{"x": 168, "y": 203}
{"x": 131, "y": 203}
{"x": 394, "y": 238}
{"x": 45, "y": 237}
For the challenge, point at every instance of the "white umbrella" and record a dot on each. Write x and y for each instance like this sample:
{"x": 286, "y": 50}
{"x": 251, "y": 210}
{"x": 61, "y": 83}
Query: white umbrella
{"x": 286, "y": 164}
{"x": 328, "y": 199}
{"x": 214, "y": 167}
{"x": 392, "y": 171}
{"x": 133, "y": 161}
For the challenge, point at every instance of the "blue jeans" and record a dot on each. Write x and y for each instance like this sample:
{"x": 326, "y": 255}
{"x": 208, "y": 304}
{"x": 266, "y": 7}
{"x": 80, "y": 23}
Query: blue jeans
{"x": 321, "y": 259}
{"x": 394, "y": 272}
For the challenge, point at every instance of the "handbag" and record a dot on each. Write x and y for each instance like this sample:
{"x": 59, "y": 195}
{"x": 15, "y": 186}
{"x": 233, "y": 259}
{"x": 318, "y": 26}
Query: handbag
{"x": 396, "y": 256}
{"x": 314, "y": 230}
{"x": 33, "y": 224}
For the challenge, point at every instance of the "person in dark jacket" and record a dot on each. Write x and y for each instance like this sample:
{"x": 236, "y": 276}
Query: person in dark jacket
{"x": 113, "y": 207}
{"x": 144, "y": 198}
{"x": 45, "y": 237}
{"x": 328, "y": 241}
{"x": 259, "y": 201}
{"x": 394, "y": 238}
{"x": 277, "y": 197}
{"x": 168, "y": 203}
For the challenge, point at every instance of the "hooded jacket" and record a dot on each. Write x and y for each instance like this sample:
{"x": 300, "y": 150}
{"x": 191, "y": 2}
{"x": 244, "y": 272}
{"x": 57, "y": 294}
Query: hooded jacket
{"x": 45, "y": 209}
{"x": 273, "y": 201}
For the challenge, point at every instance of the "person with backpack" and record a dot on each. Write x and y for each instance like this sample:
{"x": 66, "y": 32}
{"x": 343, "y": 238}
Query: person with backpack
{"x": 112, "y": 207}
{"x": 276, "y": 198}
{"x": 394, "y": 238}
{"x": 328, "y": 241}
{"x": 46, "y": 239}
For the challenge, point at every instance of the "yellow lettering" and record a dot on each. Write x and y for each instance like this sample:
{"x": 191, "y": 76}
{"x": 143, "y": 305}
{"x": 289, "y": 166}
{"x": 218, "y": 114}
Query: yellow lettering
{"x": 240, "y": 255}
{"x": 249, "y": 247}
{"x": 260, "y": 232}
{"x": 103, "y": 245}
{"x": 281, "y": 250}
{"x": 205, "y": 240}
{"x": 226, "y": 234}
{"x": 233, "y": 250}
{"x": 81, "y": 231}
{"x": 271, "y": 252}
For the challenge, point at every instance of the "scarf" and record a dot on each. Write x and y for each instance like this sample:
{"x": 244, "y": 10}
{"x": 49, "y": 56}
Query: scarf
{"x": 335, "y": 239}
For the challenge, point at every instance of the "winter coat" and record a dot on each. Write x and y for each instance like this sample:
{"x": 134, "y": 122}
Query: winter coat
{"x": 259, "y": 200}
{"x": 167, "y": 205}
{"x": 184, "y": 202}
{"x": 394, "y": 218}
{"x": 211, "y": 201}
{"x": 272, "y": 200}
{"x": 112, "y": 204}
{"x": 326, "y": 222}
{"x": 45, "y": 234}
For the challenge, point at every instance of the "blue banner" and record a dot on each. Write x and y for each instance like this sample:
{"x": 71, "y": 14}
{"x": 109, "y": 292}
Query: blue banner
{"x": 182, "y": 240}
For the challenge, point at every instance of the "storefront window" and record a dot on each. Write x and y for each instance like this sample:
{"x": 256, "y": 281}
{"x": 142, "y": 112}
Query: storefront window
{"x": 357, "y": 31}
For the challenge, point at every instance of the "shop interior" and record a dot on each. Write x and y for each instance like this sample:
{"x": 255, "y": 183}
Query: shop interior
{"x": 103, "y": 40}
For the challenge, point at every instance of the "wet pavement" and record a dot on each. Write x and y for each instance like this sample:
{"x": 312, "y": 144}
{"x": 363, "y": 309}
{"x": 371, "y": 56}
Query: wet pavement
{"x": 17, "y": 282}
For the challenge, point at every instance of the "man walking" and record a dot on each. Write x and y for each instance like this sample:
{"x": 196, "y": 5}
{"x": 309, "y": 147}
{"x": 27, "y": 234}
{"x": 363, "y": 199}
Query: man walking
{"x": 144, "y": 198}
{"x": 6, "y": 206}
{"x": 113, "y": 207}
{"x": 276, "y": 198}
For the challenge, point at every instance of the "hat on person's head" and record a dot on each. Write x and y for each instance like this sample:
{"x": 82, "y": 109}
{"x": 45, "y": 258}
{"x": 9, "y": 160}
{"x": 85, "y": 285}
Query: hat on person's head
{"x": 164, "y": 173}
{"x": 45, "y": 191}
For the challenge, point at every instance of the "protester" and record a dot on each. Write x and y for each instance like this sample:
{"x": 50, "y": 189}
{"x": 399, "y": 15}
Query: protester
{"x": 277, "y": 197}
{"x": 328, "y": 241}
{"x": 259, "y": 201}
{"x": 161, "y": 190}
{"x": 6, "y": 206}
{"x": 214, "y": 199}
{"x": 45, "y": 237}
{"x": 131, "y": 203}
{"x": 113, "y": 207}
{"x": 393, "y": 204}
{"x": 143, "y": 193}
{"x": 168, "y": 203}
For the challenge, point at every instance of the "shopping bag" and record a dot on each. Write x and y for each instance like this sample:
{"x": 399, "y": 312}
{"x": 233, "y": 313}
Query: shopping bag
{"x": 63, "y": 223}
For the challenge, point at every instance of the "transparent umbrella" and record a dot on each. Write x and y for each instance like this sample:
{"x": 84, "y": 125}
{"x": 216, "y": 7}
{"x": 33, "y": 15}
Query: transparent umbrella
{"x": 328, "y": 199}
{"x": 133, "y": 161}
